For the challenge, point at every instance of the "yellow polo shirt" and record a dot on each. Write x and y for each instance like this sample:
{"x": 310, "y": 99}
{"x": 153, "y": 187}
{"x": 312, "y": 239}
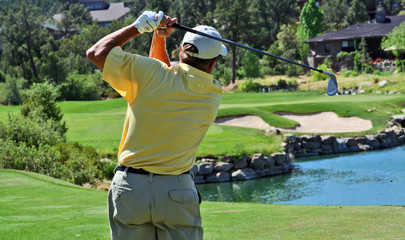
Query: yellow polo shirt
{"x": 169, "y": 111}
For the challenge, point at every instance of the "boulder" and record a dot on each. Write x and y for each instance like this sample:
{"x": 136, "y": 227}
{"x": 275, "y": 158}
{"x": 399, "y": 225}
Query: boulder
{"x": 279, "y": 158}
{"x": 375, "y": 144}
{"x": 369, "y": 138}
{"x": 327, "y": 147}
{"x": 260, "y": 162}
{"x": 311, "y": 145}
{"x": 205, "y": 168}
{"x": 365, "y": 147}
{"x": 218, "y": 177}
{"x": 328, "y": 139}
{"x": 223, "y": 166}
{"x": 275, "y": 170}
{"x": 240, "y": 164}
{"x": 350, "y": 142}
{"x": 194, "y": 170}
{"x": 263, "y": 172}
{"x": 199, "y": 179}
{"x": 339, "y": 146}
{"x": 244, "y": 174}
{"x": 382, "y": 83}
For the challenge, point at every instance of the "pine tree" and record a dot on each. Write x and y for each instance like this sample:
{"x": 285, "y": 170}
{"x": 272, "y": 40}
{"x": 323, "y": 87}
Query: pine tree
{"x": 357, "y": 13}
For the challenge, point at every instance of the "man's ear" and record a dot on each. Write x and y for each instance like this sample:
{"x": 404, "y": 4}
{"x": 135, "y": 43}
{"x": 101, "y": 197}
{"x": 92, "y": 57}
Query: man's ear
{"x": 212, "y": 64}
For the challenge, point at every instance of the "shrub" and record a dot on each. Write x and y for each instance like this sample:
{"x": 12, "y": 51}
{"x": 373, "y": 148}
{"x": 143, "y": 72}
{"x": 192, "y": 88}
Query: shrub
{"x": 39, "y": 104}
{"x": 69, "y": 162}
{"x": 223, "y": 74}
{"x": 31, "y": 132}
{"x": 281, "y": 83}
{"x": 377, "y": 72}
{"x": 320, "y": 76}
{"x": 10, "y": 90}
{"x": 341, "y": 55}
{"x": 2, "y": 77}
{"x": 82, "y": 87}
{"x": 249, "y": 86}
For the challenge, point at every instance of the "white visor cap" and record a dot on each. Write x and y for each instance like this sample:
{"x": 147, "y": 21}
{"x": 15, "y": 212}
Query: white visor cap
{"x": 207, "y": 48}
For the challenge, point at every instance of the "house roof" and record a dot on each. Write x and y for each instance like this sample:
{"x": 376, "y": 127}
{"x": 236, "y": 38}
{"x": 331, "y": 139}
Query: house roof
{"x": 114, "y": 12}
{"x": 361, "y": 30}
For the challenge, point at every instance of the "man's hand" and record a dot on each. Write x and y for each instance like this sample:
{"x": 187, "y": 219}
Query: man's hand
{"x": 148, "y": 21}
{"x": 164, "y": 29}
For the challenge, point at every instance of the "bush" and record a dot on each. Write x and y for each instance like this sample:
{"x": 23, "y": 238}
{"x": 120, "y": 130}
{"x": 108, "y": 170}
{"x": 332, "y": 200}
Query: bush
{"x": 39, "y": 104}
{"x": 69, "y": 162}
{"x": 82, "y": 87}
{"x": 2, "y": 77}
{"x": 10, "y": 90}
{"x": 281, "y": 83}
{"x": 31, "y": 132}
{"x": 223, "y": 74}
{"x": 249, "y": 86}
{"x": 320, "y": 76}
{"x": 341, "y": 55}
{"x": 377, "y": 72}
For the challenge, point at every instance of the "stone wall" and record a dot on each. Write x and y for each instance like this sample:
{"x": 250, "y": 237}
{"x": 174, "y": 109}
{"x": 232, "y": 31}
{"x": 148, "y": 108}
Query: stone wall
{"x": 242, "y": 168}
{"x": 314, "y": 145}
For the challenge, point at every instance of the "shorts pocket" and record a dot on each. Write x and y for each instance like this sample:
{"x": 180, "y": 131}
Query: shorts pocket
{"x": 183, "y": 195}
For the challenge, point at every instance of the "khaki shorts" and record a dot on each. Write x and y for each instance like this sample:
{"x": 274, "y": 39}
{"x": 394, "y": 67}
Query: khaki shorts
{"x": 154, "y": 207}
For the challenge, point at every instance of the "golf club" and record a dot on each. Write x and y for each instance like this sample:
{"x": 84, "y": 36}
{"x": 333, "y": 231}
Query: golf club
{"x": 332, "y": 84}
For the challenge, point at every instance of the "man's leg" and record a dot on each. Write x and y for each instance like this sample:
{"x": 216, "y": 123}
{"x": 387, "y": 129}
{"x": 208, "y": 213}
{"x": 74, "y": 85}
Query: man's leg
{"x": 175, "y": 208}
{"x": 129, "y": 207}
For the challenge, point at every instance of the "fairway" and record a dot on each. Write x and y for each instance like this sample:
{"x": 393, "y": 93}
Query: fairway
{"x": 99, "y": 123}
{"x": 34, "y": 207}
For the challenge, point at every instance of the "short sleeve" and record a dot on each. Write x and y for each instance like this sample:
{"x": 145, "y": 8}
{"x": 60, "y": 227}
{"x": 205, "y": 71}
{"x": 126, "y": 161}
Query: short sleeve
{"x": 127, "y": 72}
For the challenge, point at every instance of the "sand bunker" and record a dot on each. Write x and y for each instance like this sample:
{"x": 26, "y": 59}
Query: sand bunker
{"x": 309, "y": 123}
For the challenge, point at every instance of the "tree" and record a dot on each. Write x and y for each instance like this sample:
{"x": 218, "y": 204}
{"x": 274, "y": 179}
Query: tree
{"x": 23, "y": 37}
{"x": 335, "y": 12}
{"x": 268, "y": 17}
{"x": 233, "y": 21}
{"x": 364, "y": 58}
{"x": 311, "y": 24}
{"x": 395, "y": 41}
{"x": 357, "y": 13}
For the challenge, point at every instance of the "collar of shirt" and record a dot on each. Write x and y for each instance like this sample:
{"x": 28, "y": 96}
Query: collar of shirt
{"x": 196, "y": 72}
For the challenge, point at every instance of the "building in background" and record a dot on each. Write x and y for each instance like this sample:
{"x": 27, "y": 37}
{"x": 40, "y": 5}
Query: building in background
{"x": 104, "y": 12}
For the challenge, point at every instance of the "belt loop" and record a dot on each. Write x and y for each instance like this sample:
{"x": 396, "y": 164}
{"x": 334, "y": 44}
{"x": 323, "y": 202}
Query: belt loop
{"x": 125, "y": 172}
{"x": 115, "y": 169}
{"x": 150, "y": 177}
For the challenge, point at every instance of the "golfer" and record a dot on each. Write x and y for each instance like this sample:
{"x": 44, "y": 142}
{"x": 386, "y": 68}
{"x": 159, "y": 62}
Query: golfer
{"x": 170, "y": 109}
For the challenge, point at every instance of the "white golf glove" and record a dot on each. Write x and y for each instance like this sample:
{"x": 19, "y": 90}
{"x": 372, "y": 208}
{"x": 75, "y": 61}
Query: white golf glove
{"x": 146, "y": 21}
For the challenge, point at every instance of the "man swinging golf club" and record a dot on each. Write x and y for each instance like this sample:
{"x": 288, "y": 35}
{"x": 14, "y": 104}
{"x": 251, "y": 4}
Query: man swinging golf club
{"x": 170, "y": 109}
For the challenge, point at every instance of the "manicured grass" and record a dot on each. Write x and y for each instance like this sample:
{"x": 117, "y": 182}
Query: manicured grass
{"x": 224, "y": 140}
{"x": 34, "y": 206}
{"x": 99, "y": 123}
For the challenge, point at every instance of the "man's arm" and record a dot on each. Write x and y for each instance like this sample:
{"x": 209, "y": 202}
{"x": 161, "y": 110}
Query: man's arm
{"x": 99, "y": 51}
{"x": 158, "y": 46}
{"x": 146, "y": 22}
{"x": 158, "y": 49}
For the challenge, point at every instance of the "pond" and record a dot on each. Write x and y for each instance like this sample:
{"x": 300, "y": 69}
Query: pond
{"x": 368, "y": 178}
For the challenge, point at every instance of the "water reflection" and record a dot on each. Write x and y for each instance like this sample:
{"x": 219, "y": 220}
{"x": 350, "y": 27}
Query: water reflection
{"x": 373, "y": 178}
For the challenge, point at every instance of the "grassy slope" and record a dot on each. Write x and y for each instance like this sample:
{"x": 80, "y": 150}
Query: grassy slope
{"x": 38, "y": 207}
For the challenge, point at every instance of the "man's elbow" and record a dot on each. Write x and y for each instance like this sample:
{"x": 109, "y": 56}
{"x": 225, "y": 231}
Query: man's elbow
{"x": 95, "y": 58}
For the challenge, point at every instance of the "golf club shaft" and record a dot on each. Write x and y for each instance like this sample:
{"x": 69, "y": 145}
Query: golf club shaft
{"x": 179, "y": 26}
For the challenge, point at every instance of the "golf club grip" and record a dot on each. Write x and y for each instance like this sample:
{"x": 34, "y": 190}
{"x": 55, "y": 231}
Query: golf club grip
{"x": 179, "y": 26}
